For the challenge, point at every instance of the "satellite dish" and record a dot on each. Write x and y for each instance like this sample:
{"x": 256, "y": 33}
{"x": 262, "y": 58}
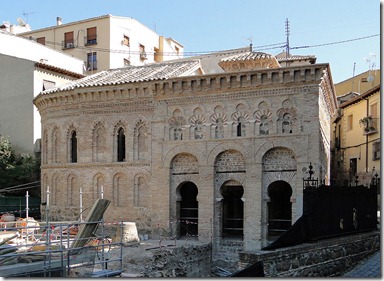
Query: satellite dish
{"x": 21, "y": 22}
{"x": 370, "y": 78}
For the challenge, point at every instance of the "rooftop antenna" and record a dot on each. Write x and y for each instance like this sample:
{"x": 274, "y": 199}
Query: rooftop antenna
{"x": 287, "y": 34}
{"x": 372, "y": 56}
{"x": 25, "y": 14}
{"x": 353, "y": 75}
{"x": 250, "y": 42}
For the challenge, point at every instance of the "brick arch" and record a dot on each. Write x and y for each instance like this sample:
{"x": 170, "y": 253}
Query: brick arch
{"x": 228, "y": 146}
{"x": 198, "y": 108}
{"x": 72, "y": 127}
{"x": 267, "y": 145}
{"x": 169, "y": 156}
{"x": 95, "y": 188}
{"x": 120, "y": 124}
{"x": 119, "y": 193}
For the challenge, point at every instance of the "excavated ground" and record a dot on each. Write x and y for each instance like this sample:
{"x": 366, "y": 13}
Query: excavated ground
{"x": 166, "y": 258}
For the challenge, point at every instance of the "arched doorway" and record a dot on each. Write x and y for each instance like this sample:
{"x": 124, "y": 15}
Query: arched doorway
{"x": 189, "y": 210}
{"x": 232, "y": 210}
{"x": 279, "y": 209}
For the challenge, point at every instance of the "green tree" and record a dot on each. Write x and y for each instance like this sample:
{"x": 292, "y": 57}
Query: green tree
{"x": 17, "y": 169}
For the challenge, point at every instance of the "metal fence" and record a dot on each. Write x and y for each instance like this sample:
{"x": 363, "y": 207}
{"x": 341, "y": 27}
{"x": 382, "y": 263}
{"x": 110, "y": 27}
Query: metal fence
{"x": 330, "y": 211}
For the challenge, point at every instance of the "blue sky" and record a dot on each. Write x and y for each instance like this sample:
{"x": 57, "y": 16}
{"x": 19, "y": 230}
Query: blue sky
{"x": 214, "y": 25}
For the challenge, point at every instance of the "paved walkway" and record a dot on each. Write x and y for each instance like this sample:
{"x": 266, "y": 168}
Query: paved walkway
{"x": 368, "y": 268}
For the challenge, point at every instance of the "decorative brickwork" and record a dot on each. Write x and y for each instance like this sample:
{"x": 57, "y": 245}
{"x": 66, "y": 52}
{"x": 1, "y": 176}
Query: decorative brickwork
{"x": 139, "y": 144}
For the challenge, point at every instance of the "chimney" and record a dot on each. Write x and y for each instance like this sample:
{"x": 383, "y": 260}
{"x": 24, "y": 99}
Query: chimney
{"x": 59, "y": 21}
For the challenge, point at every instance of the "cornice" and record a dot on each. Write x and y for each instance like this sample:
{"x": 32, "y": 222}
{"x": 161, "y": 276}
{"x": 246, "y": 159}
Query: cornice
{"x": 184, "y": 87}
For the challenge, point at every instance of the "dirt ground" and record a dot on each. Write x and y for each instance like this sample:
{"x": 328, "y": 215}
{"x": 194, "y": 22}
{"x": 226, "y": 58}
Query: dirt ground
{"x": 138, "y": 258}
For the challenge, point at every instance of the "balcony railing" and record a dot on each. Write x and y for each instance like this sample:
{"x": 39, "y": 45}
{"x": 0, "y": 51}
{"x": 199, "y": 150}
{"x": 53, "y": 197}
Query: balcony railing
{"x": 369, "y": 125}
{"x": 68, "y": 45}
{"x": 90, "y": 40}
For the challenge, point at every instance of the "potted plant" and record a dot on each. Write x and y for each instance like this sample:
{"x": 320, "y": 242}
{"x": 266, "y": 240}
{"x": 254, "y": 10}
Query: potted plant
{"x": 367, "y": 123}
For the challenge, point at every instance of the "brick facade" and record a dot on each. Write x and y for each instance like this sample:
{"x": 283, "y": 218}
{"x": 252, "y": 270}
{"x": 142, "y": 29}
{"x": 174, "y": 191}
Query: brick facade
{"x": 230, "y": 131}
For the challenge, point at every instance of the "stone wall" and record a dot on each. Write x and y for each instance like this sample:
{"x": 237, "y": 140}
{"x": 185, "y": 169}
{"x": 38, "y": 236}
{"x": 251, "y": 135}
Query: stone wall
{"x": 327, "y": 258}
{"x": 185, "y": 261}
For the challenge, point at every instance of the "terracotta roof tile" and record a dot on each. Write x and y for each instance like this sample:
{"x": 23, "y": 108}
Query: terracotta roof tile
{"x": 131, "y": 74}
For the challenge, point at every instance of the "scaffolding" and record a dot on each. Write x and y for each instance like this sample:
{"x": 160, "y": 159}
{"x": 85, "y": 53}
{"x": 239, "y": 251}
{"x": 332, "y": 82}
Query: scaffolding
{"x": 60, "y": 249}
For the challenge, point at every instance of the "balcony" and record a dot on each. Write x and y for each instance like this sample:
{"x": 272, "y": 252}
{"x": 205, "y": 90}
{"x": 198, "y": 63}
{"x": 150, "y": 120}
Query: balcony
{"x": 90, "y": 40}
{"x": 369, "y": 125}
{"x": 68, "y": 45}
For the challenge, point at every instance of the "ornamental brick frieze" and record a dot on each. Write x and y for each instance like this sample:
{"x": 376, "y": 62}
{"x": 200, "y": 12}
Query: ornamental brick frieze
{"x": 93, "y": 165}
{"x": 238, "y": 95}
{"x": 221, "y": 82}
{"x": 91, "y": 95}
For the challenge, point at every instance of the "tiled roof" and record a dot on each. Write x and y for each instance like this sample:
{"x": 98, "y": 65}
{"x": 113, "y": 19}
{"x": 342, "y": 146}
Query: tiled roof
{"x": 131, "y": 74}
{"x": 247, "y": 56}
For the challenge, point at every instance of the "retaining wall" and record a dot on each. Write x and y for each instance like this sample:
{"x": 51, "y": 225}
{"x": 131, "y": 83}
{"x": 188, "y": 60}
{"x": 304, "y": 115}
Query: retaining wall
{"x": 326, "y": 258}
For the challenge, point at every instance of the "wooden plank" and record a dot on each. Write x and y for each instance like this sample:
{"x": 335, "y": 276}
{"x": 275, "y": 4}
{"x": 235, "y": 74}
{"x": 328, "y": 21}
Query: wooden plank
{"x": 94, "y": 216}
{"x": 106, "y": 273}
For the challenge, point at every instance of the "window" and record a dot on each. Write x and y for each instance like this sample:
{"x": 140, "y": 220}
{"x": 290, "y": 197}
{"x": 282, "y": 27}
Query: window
{"x": 41, "y": 40}
{"x": 376, "y": 150}
{"x": 219, "y": 129}
{"x": 287, "y": 124}
{"x": 263, "y": 128}
{"x": 91, "y": 36}
{"x": 373, "y": 113}
{"x": 350, "y": 122}
{"x": 177, "y": 50}
{"x": 73, "y": 147}
{"x": 48, "y": 85}
{"x": 91, "y": 61}
{"x": 240, "y": 129}
{"x": 352, "y": 168}
{"x": 143, "y": 55}
{"x": 68, "y": 40}
{"x": 120, "y": 145}
{"x": 126, "y": 41}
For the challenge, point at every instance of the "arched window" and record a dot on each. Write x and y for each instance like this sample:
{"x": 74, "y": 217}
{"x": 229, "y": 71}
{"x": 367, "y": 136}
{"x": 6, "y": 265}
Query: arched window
{"x": 198, "y": 130}
{"x": 178, "y": 133}
{"x": 263, "y": 128}
{"x": 219, "y": 129}
{"x": 73, "y": 148}
{"x": 120, "y": 145}
{"x": 240, "y": 129}
{"x": 287, "y": 124}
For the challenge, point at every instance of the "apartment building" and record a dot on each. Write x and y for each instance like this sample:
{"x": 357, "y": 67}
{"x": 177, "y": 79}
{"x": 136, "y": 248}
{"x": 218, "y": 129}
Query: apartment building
{"x": 356, "y": 141}
{"x": 359, "y": 83}
{"x": 27, "y": 68}
{"x": 108, "y": 42}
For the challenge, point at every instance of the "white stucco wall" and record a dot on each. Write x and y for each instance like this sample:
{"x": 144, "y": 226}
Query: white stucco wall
{"x": 19, "y": 47}
{"x": 16, "y": 108}
{"x": 21, "y": 81}
{"x": 138, "y": 34}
